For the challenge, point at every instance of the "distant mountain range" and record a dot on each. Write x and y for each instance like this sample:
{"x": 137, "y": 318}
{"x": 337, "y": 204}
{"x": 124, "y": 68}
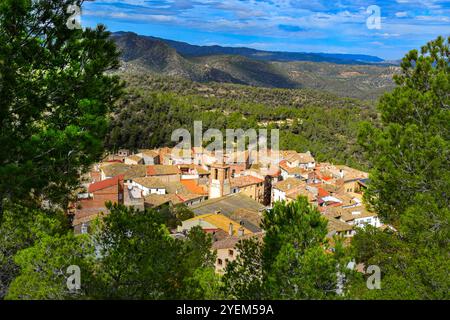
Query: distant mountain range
{"x": 358, "y": 76}
{"x": 190, "y": 50}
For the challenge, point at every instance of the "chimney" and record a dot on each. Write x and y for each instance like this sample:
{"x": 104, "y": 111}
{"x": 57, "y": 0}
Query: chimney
{"x": 341, "y": 173}
{"x": 241, "y": 232}
{"x": 230, "y": 230}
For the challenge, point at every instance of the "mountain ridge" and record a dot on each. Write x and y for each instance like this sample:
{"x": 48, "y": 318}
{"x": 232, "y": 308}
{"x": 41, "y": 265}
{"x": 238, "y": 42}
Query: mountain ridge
{"x": 154, "y": 55}
{"x": 190, "y": 50}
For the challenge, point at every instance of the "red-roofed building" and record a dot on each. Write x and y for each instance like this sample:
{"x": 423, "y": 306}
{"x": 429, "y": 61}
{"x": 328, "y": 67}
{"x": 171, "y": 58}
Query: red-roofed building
{"x": 104, "y": 184}
{"x": 194, "y": 187}
{"x": 91, "y": 204}
{"x": 322, "y": 192}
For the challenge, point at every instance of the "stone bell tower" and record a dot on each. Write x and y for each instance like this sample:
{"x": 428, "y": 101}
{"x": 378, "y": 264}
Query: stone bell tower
{"x": 219, "y": 181}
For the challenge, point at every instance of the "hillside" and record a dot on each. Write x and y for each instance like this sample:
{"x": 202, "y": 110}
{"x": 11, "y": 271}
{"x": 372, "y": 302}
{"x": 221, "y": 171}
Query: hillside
{"x": 321, "y": 122}
{"x": 159, "y": 56}
{"x": 190, "y": 50}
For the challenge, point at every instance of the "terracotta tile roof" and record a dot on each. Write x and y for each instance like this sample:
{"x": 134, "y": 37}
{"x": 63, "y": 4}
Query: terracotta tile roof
{"x": 230, "y": 242}
{"x": 156, "y": 200}
{"x": 348, "y": 214}
{"x": 160, "y": 170}
{"x": 294, "y": 170}
{"x": 359, "y": 212}
{"x": 338, "y": 225}
{"x": 221, "y": 222}
{"x": 244, "y": 181}
{"x": 193, "y": 187}
{"x": 333, "y": 212}
{"x": 149, "y": 153}
{"x": 302, "y": 158}
{"x": 105, "y": 184}
{"x": 300, "y": 192}
{"x": 232, "y": 206}
{"x": 176, "y": 187}
{"x": 129, "y": 171}
{"x": 150, "y": 182}
{"x": 135, "y": 158}
{"x": 248, "y": 218}
{"x": 290, "y": 184}
{"x": 188, "y": 196}
{"x": 323, "y": 192}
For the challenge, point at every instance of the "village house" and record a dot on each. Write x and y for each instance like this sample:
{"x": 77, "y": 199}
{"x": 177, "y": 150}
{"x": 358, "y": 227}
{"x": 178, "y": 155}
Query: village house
{"x": 213, "y": 222}
{"x": 193, "y": 171}
{"x": 130, "y": 172}
{"x": 292, "y": 172}
{"x": 238, "y": 207}
{"x": 337, "y": 227}
{"x": 226, "y": 250}
{"x": 149, "y": 185}
{"x": 92, "y": 203}
{"x": 134, "y": 159}
{"x": 285, "y": 187}
{"x": 165, "y": 173}
{"x": 133, "y": 197}
{"x": 360, "y": 217}
{"x": 158, "y": 200}
{"x": 353, "y": 216}
{"x": 250, "y": 186}
{"x": 150, "y": 157}
{"x": 301, "y": 160}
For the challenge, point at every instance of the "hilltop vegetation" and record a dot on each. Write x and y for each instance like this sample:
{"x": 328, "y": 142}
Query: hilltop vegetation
{"x": 321, "y": 122}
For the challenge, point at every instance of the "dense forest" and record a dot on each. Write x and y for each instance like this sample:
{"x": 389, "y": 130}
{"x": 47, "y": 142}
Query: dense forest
{"x": 154, "y": 106}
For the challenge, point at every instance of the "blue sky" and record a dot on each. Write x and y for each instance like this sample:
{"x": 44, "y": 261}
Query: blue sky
{"x": 335, "y": 26}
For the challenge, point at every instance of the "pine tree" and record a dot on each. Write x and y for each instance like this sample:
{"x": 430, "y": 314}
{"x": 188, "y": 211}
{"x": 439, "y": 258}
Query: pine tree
{"x": 54, "y": 98}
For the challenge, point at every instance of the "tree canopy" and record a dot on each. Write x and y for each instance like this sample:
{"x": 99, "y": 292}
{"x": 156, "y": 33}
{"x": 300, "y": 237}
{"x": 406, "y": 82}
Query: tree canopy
{"x": 410, "y": 181}
{"x": 54, "y": 98}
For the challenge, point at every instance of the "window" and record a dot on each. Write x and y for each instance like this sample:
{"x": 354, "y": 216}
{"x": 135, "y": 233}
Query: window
{"x": 230, "y": 253}
{"x": 219, "y": 262}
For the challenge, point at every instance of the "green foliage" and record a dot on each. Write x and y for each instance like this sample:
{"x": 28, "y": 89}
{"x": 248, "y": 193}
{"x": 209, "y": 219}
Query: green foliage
{"x": 296, "y": 223}
{"x": 243, "y": 279}
{"x": 54, "y": 98}
{"x": 308, "y": 120}
{"x": 43, "y": 267}
{"x": 140, "y": 260}
{"x": 410, "y": 181}
{"x": 205, "y": 284}
{"x": 410, "y": 154}
{"x": 293, "y": 262}
{"x": 22, "y": 228}
{"x": 173, "y": 216}
{"x": 131, "y": 255}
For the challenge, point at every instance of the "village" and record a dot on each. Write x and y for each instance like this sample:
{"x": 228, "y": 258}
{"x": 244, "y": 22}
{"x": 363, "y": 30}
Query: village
{"x": 228, "y": 198}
